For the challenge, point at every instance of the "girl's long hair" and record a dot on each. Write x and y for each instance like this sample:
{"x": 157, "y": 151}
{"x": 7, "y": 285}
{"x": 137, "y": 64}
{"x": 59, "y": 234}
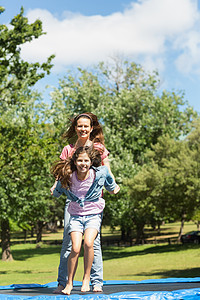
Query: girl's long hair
{"x": 96, "y": 136}
{"x": 63, "y": 169}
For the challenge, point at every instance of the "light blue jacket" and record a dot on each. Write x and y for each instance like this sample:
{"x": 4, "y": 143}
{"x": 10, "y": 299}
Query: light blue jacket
{"x": 102, "y": 179}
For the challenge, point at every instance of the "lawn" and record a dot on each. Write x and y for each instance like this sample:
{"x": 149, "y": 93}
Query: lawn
{"x": 39, "y": 265}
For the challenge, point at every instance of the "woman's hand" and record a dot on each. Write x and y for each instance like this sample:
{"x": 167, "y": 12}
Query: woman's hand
{"x": 107, "y": 164}
{"x": 115, "y": 191}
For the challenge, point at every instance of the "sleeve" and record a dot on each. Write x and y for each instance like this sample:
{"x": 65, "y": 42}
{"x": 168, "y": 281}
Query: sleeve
{"x": 102, "y": 149}
{"x": 66, "y": 152}
{"x": 58, "y": 191}
{"x": 110, "y": 183}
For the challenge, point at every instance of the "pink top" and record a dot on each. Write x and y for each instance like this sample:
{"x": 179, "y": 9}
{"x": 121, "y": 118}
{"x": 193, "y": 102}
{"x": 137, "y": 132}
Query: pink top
{"x": 80, "y": 188}
{"x": 89, "y": 207}
{"x": 70, "y": 149}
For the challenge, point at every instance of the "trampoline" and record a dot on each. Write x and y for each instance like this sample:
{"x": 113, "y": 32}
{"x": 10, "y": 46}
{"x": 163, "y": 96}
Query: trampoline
{"x": 152, "y": 289}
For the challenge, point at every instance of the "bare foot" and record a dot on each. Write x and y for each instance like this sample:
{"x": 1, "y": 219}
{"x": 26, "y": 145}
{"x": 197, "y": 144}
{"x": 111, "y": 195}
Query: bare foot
{"x": 59, "y": 289}
{"x": 97, "y": 289}
{"x": 67, "y": 289}
{"x": 85, "y": 286}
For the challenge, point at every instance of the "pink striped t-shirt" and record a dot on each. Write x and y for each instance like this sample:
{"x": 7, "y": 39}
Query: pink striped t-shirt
{"x": 80, "y": 188}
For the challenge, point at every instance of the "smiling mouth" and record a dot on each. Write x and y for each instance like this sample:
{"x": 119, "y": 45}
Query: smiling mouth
{"x": 85, "y": 167}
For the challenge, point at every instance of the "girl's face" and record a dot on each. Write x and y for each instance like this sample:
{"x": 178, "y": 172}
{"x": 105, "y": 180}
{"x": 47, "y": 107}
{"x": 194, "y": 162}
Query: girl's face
{"x": 83, "y": 163}
{"x": 83, "y": 128}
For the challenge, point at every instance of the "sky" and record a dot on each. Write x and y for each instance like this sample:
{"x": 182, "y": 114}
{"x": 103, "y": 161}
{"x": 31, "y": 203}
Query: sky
{"x": 162, "y": 35}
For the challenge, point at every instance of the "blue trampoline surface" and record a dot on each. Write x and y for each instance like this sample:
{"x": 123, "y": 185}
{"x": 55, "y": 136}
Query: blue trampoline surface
{"x": 152, "y": 289}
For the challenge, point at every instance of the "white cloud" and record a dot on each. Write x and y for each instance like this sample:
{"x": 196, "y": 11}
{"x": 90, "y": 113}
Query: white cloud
{"x": 146, "y": 32}
{"x": 188, "y": 62}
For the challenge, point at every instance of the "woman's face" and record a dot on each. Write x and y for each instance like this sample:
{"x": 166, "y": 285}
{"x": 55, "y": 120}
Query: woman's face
{"x": 83, "y": 163}
{"x": 83, "y": 128}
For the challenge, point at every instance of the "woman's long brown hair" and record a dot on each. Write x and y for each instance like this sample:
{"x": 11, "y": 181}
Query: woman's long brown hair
{"x": 96, "y": 136}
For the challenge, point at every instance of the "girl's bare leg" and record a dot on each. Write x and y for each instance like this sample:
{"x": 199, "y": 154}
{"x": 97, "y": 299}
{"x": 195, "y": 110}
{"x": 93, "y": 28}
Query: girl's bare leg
{"x": 76, "y": 238}
{"x": 89, "y": 237}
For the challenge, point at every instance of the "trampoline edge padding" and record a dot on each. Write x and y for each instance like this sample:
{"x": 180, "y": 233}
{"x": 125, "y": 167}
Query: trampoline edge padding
{"x": 106, "y": 282}
{"x": 191, "y": 294}
{"x": 180, "y": 294}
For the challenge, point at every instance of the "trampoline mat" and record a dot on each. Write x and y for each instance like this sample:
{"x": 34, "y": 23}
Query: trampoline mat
{"x": 146, "y": 289}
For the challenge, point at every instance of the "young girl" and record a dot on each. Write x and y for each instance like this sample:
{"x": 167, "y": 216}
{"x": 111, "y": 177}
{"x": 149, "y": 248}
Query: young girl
{"x": 82, "y": 179}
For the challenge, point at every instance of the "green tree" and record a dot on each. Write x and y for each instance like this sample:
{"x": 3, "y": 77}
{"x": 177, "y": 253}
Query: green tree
{"x": 144, "y": 194}
{"x": 193, "y": 140}
{"x": 20, "y": 124}
{"x": 134, "y": 115}
{"x": 167, "y": 186}
{"x": 196, "y": 218}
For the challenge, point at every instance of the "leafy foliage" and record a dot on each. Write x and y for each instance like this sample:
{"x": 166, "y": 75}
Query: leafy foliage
{"x": 24, "y": 136}
{"x": 126, "y": 100}
{"x": 157, "y": 170}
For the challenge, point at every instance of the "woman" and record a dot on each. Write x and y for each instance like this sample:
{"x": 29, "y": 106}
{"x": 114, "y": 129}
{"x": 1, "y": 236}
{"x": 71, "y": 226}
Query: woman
{"x": 85, "y": 130}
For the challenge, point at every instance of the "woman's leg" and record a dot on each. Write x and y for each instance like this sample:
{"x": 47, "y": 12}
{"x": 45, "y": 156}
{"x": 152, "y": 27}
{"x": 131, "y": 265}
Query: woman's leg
{"x": 64, "y": 254}
{"x": 96, "y": 275}
{"x": 76, "y": 238}
{"x": 89, "y": 237}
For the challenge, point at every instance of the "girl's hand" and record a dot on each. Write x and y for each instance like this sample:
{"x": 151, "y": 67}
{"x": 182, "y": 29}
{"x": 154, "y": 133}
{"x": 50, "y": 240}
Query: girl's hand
{"x": 53, "y": 187}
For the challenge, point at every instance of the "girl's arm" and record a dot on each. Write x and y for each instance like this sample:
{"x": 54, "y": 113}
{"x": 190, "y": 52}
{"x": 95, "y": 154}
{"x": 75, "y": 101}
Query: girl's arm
{"x": 64, "y": 155}
{"x": 53, "y": 187}
{"x": 58, "y": 190}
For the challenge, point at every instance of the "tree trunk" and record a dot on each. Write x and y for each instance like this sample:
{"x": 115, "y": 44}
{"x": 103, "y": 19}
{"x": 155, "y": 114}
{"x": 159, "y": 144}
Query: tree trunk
{"x": 198, "y": 225}
{"x": 61, "y": 223}
{"x": 39, "y": 231}
{"x": 25, "y": 235}
{"x": 52, "y": 226}
{"x": 139, "y": 233}
{"x": 123, "y": 235}
{"x": 32, "y": 231}
{"x": 159, "y": 224}
{"x": 5, "y": 240}
{"x": 181, "y": 228}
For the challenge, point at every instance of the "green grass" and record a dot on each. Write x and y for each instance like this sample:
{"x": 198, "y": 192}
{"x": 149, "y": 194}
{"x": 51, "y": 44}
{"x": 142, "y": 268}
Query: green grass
{"x": 151, "y": 261}
{"x": 30, "y": 265}
{"x": 39, "y": 265}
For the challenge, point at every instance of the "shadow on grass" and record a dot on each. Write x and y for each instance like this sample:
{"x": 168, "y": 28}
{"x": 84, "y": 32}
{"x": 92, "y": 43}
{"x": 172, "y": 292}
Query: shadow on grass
{"x": 186, "y": 273}
{"x": 115, "y": 252}
{"x": 22, "y": 272}
{"x": 23, "y": 254}
{"x": 108, "y": 252}
{"x": 3, "y": 272}
{"x": 162, "y": 233}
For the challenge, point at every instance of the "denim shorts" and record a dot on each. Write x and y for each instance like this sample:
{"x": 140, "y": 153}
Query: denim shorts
{"x": 81, "y": 223}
